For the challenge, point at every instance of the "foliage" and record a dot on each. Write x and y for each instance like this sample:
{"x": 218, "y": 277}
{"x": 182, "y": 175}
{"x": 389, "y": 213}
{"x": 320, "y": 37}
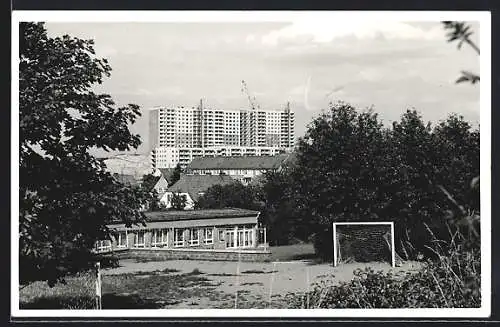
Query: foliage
{"x": 149, "y": 181}
{"x": 178, "y": 201}
{"x": 233, "y": 195}
{"x": 283, "y": 221}
{"x": 461, "y": 32}
{"x": 452, "y": 281}
{"x": 66, "y": 196}
{"x": 176, "y": 175}
{"x": 350, "y": 168}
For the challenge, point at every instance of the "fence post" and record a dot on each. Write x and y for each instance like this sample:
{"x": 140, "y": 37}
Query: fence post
{"x": 237, "y": 280}
{"x": 98, "y": 286}
{"x": 307, "y": 283}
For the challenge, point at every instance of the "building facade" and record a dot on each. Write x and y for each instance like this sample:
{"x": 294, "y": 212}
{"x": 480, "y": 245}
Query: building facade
{"x": 169, "y": 157}
{"x": 177, "y": 134}
{"x": 241, "y": 168}
{"x": 185, "y": 232}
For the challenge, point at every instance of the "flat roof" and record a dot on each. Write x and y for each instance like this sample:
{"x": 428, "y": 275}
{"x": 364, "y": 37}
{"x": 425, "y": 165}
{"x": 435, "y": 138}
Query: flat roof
{"x": 199, "y": 214}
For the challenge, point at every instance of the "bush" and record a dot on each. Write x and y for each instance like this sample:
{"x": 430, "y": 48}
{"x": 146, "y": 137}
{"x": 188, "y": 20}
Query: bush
{"x": 453, "y": 280}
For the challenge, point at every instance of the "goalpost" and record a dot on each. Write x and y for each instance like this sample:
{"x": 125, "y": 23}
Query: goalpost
{"x": 355, "y": 236}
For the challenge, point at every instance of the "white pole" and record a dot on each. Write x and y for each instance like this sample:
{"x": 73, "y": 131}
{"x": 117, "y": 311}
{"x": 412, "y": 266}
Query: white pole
{"x": 334, "y": 245}
{"x": 308, "y": 282}
{"x": 271, "y": 283}
{"x": 393, "y": 250}
{"x": 265, "y": 239}
{"x": 98, "y": 286}
{"x": 237, "y": 281}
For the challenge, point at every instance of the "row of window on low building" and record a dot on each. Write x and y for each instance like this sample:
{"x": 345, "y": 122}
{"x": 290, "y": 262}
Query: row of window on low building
{"x": 237, "y": 237}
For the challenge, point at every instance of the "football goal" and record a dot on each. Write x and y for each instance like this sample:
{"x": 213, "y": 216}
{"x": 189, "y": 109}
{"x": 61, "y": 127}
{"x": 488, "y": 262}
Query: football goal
{"x": 363, "y": 242}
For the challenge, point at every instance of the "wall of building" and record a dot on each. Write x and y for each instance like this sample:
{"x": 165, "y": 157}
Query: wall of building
{"x": 218, "y": 242}
{"x": 185, "y": 254}
{"x": 169, "y": 157}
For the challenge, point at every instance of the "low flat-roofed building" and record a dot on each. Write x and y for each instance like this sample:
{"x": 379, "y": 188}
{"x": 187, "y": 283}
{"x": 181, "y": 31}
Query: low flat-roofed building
{"x": 190, "y": 234}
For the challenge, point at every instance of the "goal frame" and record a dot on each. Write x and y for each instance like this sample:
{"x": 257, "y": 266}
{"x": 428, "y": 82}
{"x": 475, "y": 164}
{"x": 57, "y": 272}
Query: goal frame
{"x": 390, "y": 223}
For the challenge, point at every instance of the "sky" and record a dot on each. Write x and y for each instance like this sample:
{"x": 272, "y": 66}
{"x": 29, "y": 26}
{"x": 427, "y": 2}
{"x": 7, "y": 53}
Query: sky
{"x": 387, "y": 65}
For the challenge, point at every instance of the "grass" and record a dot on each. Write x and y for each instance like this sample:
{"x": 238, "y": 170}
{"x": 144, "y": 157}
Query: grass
{"x": 152, "y": 290}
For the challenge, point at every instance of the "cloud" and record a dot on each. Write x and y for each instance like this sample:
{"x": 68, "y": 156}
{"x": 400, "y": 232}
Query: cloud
{"x": 326, "y": 30}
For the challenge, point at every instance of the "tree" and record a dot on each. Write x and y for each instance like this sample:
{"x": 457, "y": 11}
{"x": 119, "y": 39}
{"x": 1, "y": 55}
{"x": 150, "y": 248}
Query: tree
{"x": 350, "y": 168}
{"x": 178, "y": 201}
{"x": 66, "y": 195}
{"x": 234, "y": 195}
{"x": 461, "y": 32}
{"x": 283, "y": 221}
{"x": 149, "y": 181}
{"x": 176, "y": 175}
{"x": 338, "y": 172}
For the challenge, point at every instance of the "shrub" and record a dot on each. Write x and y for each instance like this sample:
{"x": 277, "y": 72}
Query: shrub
{"x": 453, "y": 280}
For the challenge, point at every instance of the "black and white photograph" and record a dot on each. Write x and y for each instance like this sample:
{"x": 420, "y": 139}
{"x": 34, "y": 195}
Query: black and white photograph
{"x": 205, "y": 164}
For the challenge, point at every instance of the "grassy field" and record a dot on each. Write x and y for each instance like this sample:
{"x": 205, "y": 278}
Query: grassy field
{"x": 195, "y": 284}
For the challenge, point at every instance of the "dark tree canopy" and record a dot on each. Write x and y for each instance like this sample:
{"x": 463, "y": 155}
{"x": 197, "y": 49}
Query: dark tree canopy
{"x": 66, "y": 196}
{"x": 234, "y": 195}
{"x": 351, "y": 168}
{"x": 176, "y": 175}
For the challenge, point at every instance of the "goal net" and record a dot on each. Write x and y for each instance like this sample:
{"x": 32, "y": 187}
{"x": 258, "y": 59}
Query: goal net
{"x": 363, "y": 242}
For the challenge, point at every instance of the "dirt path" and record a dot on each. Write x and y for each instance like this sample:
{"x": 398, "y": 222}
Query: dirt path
{"x": 256, "y": 281}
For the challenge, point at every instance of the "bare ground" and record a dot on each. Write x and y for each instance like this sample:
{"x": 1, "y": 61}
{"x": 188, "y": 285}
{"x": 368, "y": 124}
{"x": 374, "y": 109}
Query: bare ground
{"x": 257, "y": 285}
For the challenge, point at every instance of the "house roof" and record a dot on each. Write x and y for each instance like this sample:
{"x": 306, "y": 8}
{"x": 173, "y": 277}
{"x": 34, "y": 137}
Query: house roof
{"x": 238, "y": 162}
{"x": 195, "y": 184}
{"x": 199, "y": 214}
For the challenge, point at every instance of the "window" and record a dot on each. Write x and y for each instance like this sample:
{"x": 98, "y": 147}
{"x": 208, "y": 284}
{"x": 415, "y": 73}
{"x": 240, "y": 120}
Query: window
{"x": 178, "y": 237}
{"x": 139, "y": 239}
{"x": 121, "y": 239}
{"x": 103, "y": 246}
{"x": 159, "y": 238}
{"x": 230, "y": 239}
{"x": 209, "y": 236}
{"x": 194, "y": 236}
{"x": 222, "y": 233}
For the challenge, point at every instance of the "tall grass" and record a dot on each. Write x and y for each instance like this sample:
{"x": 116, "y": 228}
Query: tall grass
{"x": 451, "y": 279}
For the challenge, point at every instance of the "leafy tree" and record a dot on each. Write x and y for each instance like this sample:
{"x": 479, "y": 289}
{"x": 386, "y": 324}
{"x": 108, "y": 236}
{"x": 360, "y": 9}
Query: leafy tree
{"x": 176, "y": 175}
{"x": 178, "y": 201}
{"x": 149, "y": 181}
{"x": 461, "y": 32}
{"x": 280, "y": 213}
{"x": 339, "y": 171}
{"x": 349, "y": 168}
{"x": 234, "y": 195}
{"x": 66, "y": 195}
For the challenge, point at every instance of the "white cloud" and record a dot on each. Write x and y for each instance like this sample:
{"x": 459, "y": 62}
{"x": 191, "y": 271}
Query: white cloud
{"x": 324, "y": 31}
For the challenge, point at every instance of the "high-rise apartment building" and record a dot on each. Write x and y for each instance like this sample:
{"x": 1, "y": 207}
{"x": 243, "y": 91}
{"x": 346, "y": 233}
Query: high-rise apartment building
{"x": 224, "y": 131}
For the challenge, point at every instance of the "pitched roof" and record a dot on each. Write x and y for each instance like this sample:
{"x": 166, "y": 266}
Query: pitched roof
{"x": 199, "y": 214}
{"x": 238, "y": 162}
{"x": 195, "y": 184}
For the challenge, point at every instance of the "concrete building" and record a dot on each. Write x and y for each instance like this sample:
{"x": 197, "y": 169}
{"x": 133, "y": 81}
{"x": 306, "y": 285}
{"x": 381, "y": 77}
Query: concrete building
{"x": 177, "y": 134}
{"x": 241, "y": 168}
{"x": 164, "y": 157}
{"x": 211, "y": 234}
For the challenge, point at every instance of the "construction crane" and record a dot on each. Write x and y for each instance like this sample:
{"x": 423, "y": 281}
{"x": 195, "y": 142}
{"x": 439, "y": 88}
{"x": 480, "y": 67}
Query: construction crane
{"x": 253, "y": 102}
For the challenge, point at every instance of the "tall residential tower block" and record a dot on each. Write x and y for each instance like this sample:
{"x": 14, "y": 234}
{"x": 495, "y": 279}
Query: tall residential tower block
{"x": 205, "y": 131}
